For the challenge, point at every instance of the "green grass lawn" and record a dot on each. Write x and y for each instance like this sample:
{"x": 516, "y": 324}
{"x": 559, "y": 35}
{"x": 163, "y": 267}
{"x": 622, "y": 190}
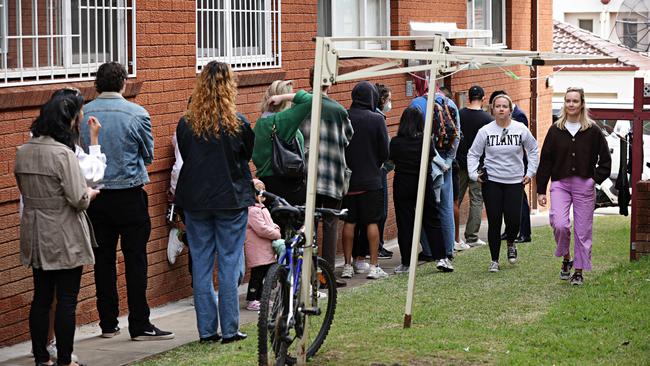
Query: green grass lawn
{"x": 522, "y": 315}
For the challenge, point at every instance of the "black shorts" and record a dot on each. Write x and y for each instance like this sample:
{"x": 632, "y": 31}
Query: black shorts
{"x": 455, "y": 180}
{"x": 365, "y": 208}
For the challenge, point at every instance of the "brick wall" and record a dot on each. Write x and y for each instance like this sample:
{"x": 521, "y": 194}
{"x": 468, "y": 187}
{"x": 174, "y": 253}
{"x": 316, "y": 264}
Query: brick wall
{"x": 642, "y": 243}
{"x": 166, "y": 71}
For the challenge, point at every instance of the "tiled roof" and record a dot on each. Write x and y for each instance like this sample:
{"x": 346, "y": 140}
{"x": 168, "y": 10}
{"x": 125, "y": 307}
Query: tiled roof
{"x": 573, "y": 40}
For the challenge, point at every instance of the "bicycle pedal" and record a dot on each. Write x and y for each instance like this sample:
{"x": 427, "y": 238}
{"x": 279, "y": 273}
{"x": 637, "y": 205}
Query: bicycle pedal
{"x": 311, "y": 311}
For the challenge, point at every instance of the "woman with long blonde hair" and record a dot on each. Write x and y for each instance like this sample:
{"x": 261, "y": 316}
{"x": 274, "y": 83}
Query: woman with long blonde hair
{"x": 215, "y": 189}
{"x": 575, "y": 157}
{"x": 282, "y": 113}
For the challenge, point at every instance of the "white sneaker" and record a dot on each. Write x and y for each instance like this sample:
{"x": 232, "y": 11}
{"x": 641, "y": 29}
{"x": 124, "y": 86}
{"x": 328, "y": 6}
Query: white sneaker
{"x": 174, "y": 246}
{"x": 477, "y": 243}
{"x": 494, "y": 267}
{"x": 360, "y": 266}
{"x": 445, "y": 265}
{"x": 402, "y": 269}
{"x": 376, "y": 273}
{"x": 460, "y": 246}
{"x": 348, "y": 271}
{"x": 51, "y": 349}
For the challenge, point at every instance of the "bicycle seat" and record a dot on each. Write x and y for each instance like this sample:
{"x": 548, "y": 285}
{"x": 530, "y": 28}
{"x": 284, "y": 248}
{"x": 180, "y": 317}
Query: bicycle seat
{"x": 285, "y": 215}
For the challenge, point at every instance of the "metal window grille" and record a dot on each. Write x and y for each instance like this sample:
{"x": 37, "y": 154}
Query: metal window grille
{"x": 50, "y": 41}
{"x": 242, "y": 33}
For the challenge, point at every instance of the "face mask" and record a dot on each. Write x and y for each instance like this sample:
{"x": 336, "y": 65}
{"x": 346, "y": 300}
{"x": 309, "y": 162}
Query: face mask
{"x": 387, "y": 107}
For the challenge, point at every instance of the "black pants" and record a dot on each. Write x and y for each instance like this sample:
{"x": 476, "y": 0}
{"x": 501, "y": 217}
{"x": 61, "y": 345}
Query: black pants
{"x": 256, "y": 281}
{"x": 524, "y": 228}
{"x": 405, "y": 187}
{"x": 121, "y": 214}
{"x": 66, "y": 282}
{"x": 291, "y": 189}
{"x": 330, "y": 228}
{"x": 502, "y": 202}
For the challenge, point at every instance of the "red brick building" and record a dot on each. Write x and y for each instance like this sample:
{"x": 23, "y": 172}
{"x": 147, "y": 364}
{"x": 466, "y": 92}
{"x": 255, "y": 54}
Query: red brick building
{"x": 165, "y": 42}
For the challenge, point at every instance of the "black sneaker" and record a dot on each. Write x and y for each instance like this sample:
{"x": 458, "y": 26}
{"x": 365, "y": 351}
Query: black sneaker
{"x": 577, "y": 279}
{"x": 565, "y": 272}
{"x": 110, "y": 333}
{"x": 385, "y": 254}
{"x": 512, "y": 254}
{"x": 237, "y": 337}
{"x": 211, "y": 339}
{"x": 425, "y": 258}
{"x": 504, "y": 236}
{"x": 153, "y": 334}
{"x": 523, "y": 239}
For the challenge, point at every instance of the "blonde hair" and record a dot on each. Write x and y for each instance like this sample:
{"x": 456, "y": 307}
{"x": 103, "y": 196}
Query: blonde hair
{"x": 584, "y": 119}
{"x": 212, "y": 105}
{"x": 278, "y": 87}
{"x": 504, "y": 96}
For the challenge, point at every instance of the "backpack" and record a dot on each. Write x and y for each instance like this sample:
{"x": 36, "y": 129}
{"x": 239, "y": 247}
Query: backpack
{"x": 444, "y": 125}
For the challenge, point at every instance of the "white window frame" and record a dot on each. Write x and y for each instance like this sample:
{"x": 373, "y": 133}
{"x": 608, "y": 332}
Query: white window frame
{"x": 240, "y": 58}
{"x": 336, "y": 25}
{"x": 471, "y": 23}
{"x": 70, "y": 68}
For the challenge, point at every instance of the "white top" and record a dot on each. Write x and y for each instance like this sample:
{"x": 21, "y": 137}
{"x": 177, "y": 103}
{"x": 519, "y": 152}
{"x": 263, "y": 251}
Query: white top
{"x": 572, "y": 127}
{"x": 178, "y": 164}
{"x": 504, "y": 152}
{"x": 92, "y": 164}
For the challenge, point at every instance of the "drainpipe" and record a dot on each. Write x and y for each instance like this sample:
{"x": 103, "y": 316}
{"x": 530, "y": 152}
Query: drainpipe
{"x": 533, "y": 90}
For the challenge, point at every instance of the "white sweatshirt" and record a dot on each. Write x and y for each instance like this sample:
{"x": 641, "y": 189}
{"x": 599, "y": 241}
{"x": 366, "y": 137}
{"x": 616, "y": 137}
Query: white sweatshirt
{"x": 504, "y": 153}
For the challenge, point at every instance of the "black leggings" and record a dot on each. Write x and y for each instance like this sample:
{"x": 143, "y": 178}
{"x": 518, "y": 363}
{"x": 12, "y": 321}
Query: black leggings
{"x": 405, "y": 187}
{"x": 66, "y": 282}
{"x": 502, "y": 202}
{"x": 256, "y": 281}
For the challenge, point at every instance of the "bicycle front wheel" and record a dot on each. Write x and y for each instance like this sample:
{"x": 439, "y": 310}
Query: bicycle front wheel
{"x": 272, "y": 320}
{"x": 323, "y": 296}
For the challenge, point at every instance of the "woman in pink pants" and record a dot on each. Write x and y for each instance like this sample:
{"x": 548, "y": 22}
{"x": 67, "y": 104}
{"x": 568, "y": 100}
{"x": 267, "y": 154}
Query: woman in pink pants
{"x": 575, "y": 156}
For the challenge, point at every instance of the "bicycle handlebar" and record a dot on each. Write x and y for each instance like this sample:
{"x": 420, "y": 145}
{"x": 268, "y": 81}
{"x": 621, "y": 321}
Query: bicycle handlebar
{"x": 320, "y": 211}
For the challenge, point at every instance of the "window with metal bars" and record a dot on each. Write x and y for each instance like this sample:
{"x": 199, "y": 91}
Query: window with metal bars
{"x": 49, "y": 41}
{"x": 242, "y": 33}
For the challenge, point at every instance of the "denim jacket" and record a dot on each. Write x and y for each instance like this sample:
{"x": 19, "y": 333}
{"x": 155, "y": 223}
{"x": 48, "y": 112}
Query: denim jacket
{"x": 125, "y": 138}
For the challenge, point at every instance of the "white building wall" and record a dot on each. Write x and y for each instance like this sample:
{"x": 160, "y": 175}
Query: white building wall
{"x": 603, "y": 89}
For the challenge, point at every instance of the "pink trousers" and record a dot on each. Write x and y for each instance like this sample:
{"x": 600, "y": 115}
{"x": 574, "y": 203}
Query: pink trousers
{"x": 577, "y": 192}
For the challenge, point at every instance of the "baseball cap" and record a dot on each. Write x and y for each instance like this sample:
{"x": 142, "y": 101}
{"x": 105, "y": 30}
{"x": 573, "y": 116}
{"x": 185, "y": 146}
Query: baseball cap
{"x": 476, "y": 92}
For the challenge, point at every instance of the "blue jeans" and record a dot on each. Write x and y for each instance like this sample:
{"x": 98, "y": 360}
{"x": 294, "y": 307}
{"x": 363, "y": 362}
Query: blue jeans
{"x": 219, "y": 234}
{"x": 446, "y": 209}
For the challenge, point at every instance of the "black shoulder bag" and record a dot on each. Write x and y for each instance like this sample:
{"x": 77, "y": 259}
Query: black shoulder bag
{"x": 287, "y": 158}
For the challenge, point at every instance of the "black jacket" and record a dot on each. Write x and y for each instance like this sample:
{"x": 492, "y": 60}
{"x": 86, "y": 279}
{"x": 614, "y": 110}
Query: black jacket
{"x": 406, "y": 153}
{"x": 368, "y": 149}
{"x": 215, "y": 173}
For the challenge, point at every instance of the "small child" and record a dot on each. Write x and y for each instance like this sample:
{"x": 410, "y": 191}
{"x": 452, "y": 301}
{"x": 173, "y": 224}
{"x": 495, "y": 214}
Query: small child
{"x": 260, "y": 232}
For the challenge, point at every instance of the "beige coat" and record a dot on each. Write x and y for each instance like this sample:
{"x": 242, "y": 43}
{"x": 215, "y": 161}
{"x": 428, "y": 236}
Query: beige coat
{"x": 55, "y": 232}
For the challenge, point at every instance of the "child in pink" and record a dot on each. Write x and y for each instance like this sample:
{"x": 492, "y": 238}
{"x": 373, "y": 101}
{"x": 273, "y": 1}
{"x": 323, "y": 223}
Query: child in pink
{"x": 260, "y": 232}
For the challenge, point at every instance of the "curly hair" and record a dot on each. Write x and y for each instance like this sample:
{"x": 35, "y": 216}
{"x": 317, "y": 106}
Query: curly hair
{"x": 384, "y": 93}
{"x": 110, "y": 77}
{"x": 55, "y": 119}
{"x": 212, "y": 104}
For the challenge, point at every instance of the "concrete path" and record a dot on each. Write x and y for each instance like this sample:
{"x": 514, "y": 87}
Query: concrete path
{"x": 179, "y": 317}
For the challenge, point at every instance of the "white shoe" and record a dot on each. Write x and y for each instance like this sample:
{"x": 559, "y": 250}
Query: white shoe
{"x": 460, "y": 246}
{"x": 174, "y": 246}
{"x": 494, "y": 267}
{"x": 51, "y": 349}
{"x": 445, "y": 265}
{"x": 360, "y": 266}
{"x": 477, "y": 243}
{"x": 348, "y": 271}
{"x": 402, "y": 269}
{"x": 376, "y": 273}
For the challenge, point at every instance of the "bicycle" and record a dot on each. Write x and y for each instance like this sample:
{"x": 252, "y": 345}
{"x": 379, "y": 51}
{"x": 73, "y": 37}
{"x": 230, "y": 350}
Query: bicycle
{"x": 282, "y": 314}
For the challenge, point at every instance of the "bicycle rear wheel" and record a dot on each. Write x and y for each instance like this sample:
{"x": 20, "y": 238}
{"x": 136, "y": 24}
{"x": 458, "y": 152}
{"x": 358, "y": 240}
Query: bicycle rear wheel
{"x": 323, "y": 296}
{"x": 272, "y": 320}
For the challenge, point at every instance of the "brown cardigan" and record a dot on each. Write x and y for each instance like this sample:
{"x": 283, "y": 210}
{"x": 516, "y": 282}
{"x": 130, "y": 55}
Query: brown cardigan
{"x": 584, "y": 155}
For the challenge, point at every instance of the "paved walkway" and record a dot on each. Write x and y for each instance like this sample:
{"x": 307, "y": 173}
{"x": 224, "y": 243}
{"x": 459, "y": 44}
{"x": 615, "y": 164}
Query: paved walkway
{"x": 178, "y": 317}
